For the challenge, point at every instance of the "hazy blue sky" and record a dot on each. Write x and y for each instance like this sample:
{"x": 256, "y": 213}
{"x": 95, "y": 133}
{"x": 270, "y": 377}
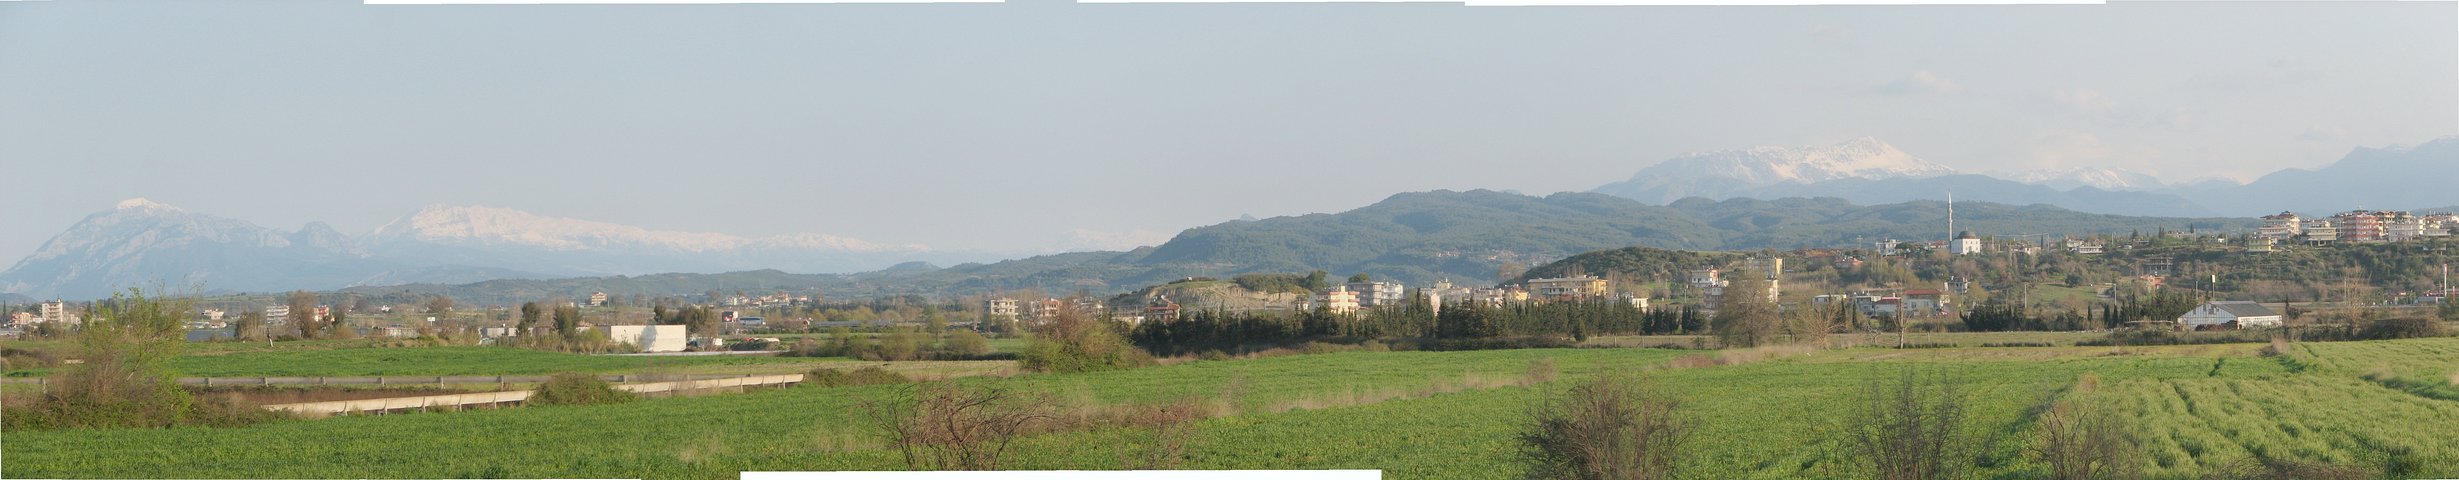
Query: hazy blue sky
{"x": 1013, "y": 125}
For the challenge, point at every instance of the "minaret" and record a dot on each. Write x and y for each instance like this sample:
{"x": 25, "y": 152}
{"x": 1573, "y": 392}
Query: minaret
{"x": 1950, "y": 216}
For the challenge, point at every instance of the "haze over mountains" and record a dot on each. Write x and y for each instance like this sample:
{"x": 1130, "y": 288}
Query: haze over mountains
{"x": 142, "y": 243}
{"x": 1870, "y": 171}
{"x": 1416, "y": 237}
{"x": 1764, "y": 197}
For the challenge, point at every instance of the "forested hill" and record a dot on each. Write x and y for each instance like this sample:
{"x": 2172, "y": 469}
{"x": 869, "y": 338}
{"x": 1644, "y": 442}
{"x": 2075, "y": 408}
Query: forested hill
{"x": 1418, "y": 238}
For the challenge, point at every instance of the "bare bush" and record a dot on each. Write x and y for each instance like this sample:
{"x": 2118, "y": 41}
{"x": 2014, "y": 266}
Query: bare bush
{"x": 1909, "y": 429}
{"x": 1541, "y": 371}
{"x": 1164, "y": 432}
{"x": 946, "y": 426}
{"x": 2082, "y": 441}
{"x": 1611, "y": 427}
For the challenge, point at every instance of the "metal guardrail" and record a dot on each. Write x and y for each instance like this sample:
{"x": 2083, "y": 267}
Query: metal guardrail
{"x": 407, "y": 380}
{"x": 456, "y": 401}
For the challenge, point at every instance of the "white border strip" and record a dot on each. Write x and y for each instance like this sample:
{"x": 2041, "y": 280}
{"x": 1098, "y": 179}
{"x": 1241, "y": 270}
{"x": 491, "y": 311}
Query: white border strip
{"x": 1078, "y": 475}
{"x": 650, "y": 2}
{"x": 1763, "y": 3}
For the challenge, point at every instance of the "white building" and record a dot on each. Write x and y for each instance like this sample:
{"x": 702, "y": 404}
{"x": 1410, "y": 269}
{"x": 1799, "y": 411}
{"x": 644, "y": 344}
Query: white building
{"x": 1964, "y": 244}
{"x": 2244, "y": 314}
{"x": 2284, "y": 226}
{"x": 1338, "y": 300}
{"x": 1376, "y": 294}
{"x": 650, "y": 338}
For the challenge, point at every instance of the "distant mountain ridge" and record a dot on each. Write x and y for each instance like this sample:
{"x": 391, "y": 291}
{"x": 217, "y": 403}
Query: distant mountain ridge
{"x": 1415, "y": 238}
{"x": 1869, "y": 171}
{"x": 140, "y": 242}
{"x": 2390, "y": 178}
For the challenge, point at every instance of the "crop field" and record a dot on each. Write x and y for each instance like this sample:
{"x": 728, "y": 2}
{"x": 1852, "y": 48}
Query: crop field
{"x": 1773, "y": 413}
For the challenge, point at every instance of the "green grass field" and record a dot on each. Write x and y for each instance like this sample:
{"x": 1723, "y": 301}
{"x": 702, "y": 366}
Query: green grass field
{"x": 2192, "y": 408}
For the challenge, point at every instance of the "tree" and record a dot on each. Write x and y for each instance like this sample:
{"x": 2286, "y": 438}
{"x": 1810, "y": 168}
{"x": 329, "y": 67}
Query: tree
{"x": 250, "y": 325}
{"x": 1744, "y": 316}
{"x": 900, "y": 345}
{"x": 440, "y": 305}
{"x": 1316, "y": 280}
{"x": 302, "y": 305}
{"x": 966, "y": 343}
{"x": 567, "y": 321}
{"x": 1361, "y": 277}
{"x": 530, "y": 314}
{"x": 339, "y": 325}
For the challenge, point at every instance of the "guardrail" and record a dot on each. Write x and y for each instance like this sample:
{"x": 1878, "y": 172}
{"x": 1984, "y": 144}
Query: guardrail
{"x": 466, "y": 400}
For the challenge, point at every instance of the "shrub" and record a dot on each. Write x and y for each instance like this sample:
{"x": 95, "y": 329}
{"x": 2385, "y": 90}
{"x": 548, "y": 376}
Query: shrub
{"x": 1164, "y": 432}
{"x": 1073, "y": 343}
{"x": 124, "y": 378}
{"x": 2082, "y": 441}
{"x": 2403, "y": 327}
{"x": 1907, "y": 429}
{"x": 1609, "y": 427}
{"x": 570, "y": 388}
{"x": 965, "y": 344}
{"x": 829, "y": 377}
{"x": 945, "y": 426}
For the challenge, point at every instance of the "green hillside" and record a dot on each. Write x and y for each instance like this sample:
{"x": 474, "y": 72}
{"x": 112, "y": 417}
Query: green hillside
{"x": 1415, "y": 238}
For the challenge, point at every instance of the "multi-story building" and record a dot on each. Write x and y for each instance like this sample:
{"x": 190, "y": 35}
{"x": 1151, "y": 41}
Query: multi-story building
{"x": 1048, "y": 309}
{"x": 2360, "y": 226}
{"x": 1566, "y": 288}
{"x": 2321, "y": 230}
{"x": 1377, "y": 294}
{"x": 2402, "y": 226}
{"x": 1161, "y": 309}
{"x": 54, "y": 311}
{"x": 1338, "y": 300}
{"x": 1000, "y": 308}
{"x": 2284, "y": 226}
{"x": 2439, "y": 224}
{"x": 597, "y": 299}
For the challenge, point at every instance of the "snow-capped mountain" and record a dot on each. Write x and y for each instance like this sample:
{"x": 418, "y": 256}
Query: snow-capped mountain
{"x": 492, "y": 226}
{"x": 141, "y": 243}
{"x": 1870, "y": 171}
{"x": 147, "y": 244}
{"x": 1713, "y": 173}
{"x": 2096, "y": 177}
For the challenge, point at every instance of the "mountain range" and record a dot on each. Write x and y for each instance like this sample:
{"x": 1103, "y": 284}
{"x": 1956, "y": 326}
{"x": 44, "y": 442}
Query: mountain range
{"x": 148, "y": 244}
{"x": 1415, "y": 238}
{"x": 1871, "y": 171}
{"x": 1763, "y": 197}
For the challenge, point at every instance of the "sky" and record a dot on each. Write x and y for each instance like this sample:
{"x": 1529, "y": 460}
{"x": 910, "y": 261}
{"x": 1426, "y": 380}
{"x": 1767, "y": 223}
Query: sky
{"x": 1041, "y": 124}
